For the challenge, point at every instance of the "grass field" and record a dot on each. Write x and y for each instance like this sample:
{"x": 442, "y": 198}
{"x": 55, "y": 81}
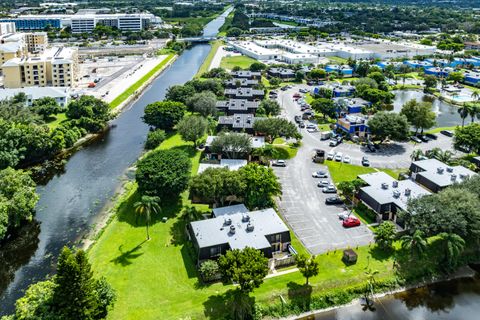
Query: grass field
{"x": 337, "y": 60}
{"x": 59, "y": 118}
{"x": 129, "y": 91}
{"x": 208, "y": 60}
{"x": 437, "y": 130}
{"x": 243, "y": 62}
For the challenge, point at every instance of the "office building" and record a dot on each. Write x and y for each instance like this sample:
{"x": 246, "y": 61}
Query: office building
{"x": 61, "y": 95}
{"x": 7, "y": 27}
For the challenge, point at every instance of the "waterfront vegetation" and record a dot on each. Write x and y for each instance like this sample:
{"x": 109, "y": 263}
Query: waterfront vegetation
{"x": 215, "y": 45}
{"x": 134, "y": 87}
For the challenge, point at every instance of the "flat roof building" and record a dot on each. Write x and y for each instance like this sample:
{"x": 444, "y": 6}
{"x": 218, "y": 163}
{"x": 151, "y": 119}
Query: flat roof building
{"x": 436, "y": 175}
{"x": 233, "y": 106}
{"x": 240, "y": 82}
{"x": 387, "y": 196}
{"x": 236, "y": 228}
{"x": 237, "y": 122}
{"x": 245, "y": 94}
{"x": 61, "y": 95}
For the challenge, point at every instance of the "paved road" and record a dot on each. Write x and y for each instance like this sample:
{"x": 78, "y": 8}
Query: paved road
{"x": 303, "y": 204}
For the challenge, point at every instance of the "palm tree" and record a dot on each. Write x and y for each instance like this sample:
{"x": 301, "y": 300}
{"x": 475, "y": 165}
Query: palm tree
{"x": 463, "y": 111}
{"x": 453, "y": 246}
{"x": 415, "y": 243}
{"x": 473, "y": 111}
{"x": 191, "y": 214}
{"x": 416, "y": 154}
{"x": 476, "y": 95}
{"x": 146, "y": 206}
{"x": 370, "y": 286}
{"x": 445, "y": 156}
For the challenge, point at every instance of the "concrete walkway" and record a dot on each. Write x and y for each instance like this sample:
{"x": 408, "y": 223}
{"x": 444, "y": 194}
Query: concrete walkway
{"x": 280, "y": 273}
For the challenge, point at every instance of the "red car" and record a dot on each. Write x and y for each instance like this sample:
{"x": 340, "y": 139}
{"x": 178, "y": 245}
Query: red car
{"x": 297, "y": 95}
{"x": 351, "y": 222}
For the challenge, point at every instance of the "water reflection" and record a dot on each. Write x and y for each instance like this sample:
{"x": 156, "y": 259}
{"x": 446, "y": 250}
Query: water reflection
{"x": 447, "y": 114}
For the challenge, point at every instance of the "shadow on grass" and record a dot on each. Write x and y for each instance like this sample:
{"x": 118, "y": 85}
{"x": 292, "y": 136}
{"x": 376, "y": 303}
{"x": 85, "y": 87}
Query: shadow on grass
{"x": 232, "y": 304}
{"x": 300, "y": 295}
{"x": 188, "y": 149}
{"x": 126, "y": 257}
{"x": 380, "y": 254}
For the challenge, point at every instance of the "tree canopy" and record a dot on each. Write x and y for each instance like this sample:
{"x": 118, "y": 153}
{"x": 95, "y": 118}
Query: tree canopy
{"x": 233, "y": 145}
{"x": 277, "y": 127}
{"x": 163, "y": 173}
{"x": 390, "y": 125}
{"x": 204, "y": 103}
{"x": 420, "y": 115}
{"x": 192, "y": 128}
{"x": 164, "y": 114}
{"x": 261, "y": 185}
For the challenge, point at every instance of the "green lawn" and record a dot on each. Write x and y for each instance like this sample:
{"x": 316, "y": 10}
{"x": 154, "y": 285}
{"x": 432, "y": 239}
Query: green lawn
{"x": 129, "y": 91}
{"x": 59, "y": 118}
{"x": 437, "y": 130}
{"x": 243, "y": 62}
{"x": 208, "y": 60}
{"x": 337, "y": 60}
{"x": 340, "y": 171}
{"x": 228, "y": 22}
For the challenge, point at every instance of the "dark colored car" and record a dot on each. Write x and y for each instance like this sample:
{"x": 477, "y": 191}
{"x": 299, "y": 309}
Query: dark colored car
{"x": 351, "y": 222}
{"x": 447, "y": 133}
{"x": 371, "y": 148}
{"x": 365, "y": 162}
{"x": 333, "y": 200}
{"x": 423, "y": 138}
{"x": 301, "y": 124}
{"x": 298, "y": 119}
{"x": 431, "y": 136}
{"x": 415, "y": 139}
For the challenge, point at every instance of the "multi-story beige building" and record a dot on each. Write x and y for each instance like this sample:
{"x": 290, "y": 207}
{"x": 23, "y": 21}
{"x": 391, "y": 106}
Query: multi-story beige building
{"x": 57, "y": 67}
{"x": 36, "y": 41}
{"x": 19, "y": 45}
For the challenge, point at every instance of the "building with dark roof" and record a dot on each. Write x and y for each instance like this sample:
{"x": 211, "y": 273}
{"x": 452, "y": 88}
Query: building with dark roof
{"x": 436, "y": 175}
{"x": 282, "y": 73}
{"x": 245, "y": 93}
{"x": 233, "y": 106}
{"x": 239, "y": 82}
{"x": 387, "y": 196}
{"x": 237, "y": 122}
{"x": 245, "y": 74}
{"x": 237, "y": 228}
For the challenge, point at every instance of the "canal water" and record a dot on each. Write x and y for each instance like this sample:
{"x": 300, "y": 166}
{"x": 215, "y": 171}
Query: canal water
{"x": 447, "y": 114}
{"x": 71, "y": 200}
{"x": 452, "y": 300}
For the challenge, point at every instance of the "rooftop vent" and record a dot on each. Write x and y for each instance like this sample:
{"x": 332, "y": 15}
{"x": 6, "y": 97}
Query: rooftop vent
{"x": 250, "y": 227}
{"x": 449, "y": 169}
{"x": 245, "y": 218}
{"x": 395, "y": 184}
{"x": 232, "y": 229}
{"x": 396, "y": 194}
{"x": 408, "y": 192}
{"x": 440, "y": 170}
{"x": 453, "y": 177}
{"x": 384, "y": 186}
{"x": 464, "y": 176}
{"x": 228, "y": 221}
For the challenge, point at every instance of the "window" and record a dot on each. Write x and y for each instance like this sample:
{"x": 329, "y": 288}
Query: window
{"x": 214, "y": 251}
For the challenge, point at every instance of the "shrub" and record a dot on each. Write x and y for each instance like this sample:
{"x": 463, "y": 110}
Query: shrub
{"x": 154, "y": 139}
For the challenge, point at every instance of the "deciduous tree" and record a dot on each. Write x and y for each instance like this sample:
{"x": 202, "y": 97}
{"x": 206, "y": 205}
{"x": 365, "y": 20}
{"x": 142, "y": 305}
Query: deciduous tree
{"x": 308, "y": 266}
{"x": 164, "y": 115}
{"x": 192, "y": 128}
{"x": 390, "y": 125}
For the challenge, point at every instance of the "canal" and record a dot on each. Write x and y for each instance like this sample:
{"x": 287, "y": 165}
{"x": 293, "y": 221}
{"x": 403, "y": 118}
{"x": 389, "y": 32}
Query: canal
{"x": 71, "y": 200}
{"x": 451, "y": 300}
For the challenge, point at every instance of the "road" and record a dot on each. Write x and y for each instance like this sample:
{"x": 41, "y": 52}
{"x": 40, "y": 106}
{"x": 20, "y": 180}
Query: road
{"x": 303, "y": 204}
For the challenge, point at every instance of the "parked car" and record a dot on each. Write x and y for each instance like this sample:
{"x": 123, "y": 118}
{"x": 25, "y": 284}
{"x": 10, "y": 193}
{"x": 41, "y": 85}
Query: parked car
{"x": 329, "y": 189}
{"x": 325, "y": 135}
{"x": 284, "y": 88}
{"x": 301, "y": 124}
{"x": 303, "y": 90}
{"x": 297, "y": 119}
{"x": 297, "y": 96}
{"x": 333, "y": 200}
{"x": 339, "y": 156}
{"x": 415, "y": 139}
{"x": 330, "y": 155}
{"x": 365, "y": 162}
{"x": 344, "y": 215}
{"x": 333, "y": 143}
{"x": 320, "y": 174}
{"x": 447, "y": 133}
{"x": 311, "y": 128}
{"x": 346, "y": 159}
{"x": 423, "y": 138}
{"x": 279, "y": 163}
{"x": 351, "y": 222}
{"x": 323, "y": 184}
{"x": 432, "y": 136}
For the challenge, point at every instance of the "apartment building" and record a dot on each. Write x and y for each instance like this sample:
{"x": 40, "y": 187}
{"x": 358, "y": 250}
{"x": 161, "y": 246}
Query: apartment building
{"x": 57, "y": 67}
{"x": 7, "y": 27}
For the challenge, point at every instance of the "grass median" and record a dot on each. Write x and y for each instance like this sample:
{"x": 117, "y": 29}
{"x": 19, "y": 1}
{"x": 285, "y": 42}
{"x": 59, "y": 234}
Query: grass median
{"x": 131, "y": 90}
{"x": 208, "y": 60}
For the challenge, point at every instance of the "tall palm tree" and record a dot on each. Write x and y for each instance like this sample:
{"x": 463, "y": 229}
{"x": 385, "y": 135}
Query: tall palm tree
{"x": 474, "y": 111}
{"x": 463, "y": 111}
{"x": 191, "y": 214}
{"x": 476, "y": 95}
{"x": 453, "y": 246}
{"x": 415, "y": 243}
{"x": 370, "y": 286}
{"x": 146, "y": 207}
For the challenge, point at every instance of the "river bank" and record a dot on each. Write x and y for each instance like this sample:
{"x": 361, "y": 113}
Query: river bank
{"x": 462, "y": 273}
